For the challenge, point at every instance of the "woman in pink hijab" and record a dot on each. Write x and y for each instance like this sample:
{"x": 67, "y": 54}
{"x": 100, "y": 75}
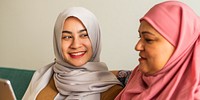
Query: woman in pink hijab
{"x": 169, "y": 50}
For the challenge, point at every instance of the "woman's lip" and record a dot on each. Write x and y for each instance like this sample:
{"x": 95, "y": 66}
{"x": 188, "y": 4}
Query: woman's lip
{"x": 142, "y": 59}
{"x": 77, "y": 54}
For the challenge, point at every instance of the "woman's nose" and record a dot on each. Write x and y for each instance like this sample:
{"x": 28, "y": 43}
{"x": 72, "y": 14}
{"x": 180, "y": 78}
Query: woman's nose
{"x": 76, "y": 43}
{"x": 139, "y": 46}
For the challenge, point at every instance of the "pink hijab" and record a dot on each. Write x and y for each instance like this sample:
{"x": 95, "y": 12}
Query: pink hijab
{"x": 180, "y": 77}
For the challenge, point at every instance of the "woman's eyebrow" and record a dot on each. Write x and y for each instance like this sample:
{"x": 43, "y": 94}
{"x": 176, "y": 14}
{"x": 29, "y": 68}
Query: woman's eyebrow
{"x": 82, "y": 30}
{"x": 66, "y": 31}
{"x": 147, "y": 32}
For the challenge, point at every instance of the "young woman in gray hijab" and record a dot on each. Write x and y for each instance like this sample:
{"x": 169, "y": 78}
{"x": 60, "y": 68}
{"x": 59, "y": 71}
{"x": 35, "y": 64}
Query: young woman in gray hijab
{"x": 77, "y": 72}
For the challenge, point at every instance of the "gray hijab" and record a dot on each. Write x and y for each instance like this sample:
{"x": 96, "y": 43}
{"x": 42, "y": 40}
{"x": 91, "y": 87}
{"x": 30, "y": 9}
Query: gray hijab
{"x": 88, "y": 81}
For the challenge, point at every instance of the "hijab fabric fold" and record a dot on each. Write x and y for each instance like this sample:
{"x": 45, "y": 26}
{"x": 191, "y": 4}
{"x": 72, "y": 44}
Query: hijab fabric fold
{"x": 180, "y": 77}
{"x": 75, "y": 83}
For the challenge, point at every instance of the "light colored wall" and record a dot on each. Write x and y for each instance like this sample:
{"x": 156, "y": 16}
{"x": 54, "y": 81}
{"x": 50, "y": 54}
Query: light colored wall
{"x": 26, "y": 29}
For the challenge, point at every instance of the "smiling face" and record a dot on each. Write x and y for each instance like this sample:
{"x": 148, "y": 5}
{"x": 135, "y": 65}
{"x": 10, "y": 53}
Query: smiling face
{"x": 154, "y": 50}
{"x": 76, "y": 45}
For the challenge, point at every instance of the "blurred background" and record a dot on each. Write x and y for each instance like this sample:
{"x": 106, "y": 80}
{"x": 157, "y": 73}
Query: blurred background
{"x": 26, "y": 30}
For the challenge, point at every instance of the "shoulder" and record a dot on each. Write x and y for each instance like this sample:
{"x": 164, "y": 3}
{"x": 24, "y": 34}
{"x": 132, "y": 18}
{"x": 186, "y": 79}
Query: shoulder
{"x": 41, "y": 76}
{"x": 111, "y": 93}
{"x": 43, "y": 71}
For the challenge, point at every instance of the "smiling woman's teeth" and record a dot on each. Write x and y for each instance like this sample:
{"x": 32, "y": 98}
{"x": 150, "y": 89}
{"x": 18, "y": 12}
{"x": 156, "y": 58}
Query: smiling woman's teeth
{"x": 77, "y": 54}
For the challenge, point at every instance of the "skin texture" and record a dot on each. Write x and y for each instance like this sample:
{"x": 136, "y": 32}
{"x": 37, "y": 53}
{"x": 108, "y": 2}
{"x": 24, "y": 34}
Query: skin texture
{"x": 76, "y": 45}
{"x": 154, "y": 49}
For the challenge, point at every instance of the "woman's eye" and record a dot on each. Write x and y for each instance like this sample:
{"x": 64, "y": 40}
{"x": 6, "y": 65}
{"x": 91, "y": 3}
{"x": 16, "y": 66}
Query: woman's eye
{"x": 66, "y": 37}
{"x": 84, "y": 35}
{"x": 148, "y": 40}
